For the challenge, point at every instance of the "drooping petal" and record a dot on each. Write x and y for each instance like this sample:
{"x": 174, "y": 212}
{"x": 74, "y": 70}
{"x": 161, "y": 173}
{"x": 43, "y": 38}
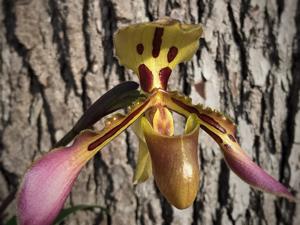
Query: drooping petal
{"x": 153, "y": 49}
{"x": 175, "y": 163}
{"x": 251, "y": 173}
{"x": 48, "y": 182}
{"x": 223, "y": 131}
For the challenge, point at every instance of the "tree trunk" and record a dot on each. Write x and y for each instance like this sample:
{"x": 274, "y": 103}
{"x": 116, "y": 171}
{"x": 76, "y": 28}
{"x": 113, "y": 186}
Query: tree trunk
{"x": 57, "y": 57}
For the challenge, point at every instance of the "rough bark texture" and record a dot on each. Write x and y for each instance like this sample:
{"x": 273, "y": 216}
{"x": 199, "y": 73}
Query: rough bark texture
{"x": 57, "y": 57}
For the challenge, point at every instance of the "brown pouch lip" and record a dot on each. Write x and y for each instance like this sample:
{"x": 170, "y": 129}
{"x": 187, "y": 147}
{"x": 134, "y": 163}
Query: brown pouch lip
{"x": 175, "y": 164}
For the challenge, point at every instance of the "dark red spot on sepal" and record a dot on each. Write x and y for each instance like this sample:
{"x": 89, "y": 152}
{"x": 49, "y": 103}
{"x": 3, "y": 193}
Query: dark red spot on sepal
{"x": 172, "y": 53}
{"x": 146, "y": 77}
{"x": 140, "y": 48}
{"x": 164, "y": 75}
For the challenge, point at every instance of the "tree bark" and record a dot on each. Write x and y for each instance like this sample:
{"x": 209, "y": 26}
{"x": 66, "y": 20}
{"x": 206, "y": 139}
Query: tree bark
{"x": 57, "y": 57}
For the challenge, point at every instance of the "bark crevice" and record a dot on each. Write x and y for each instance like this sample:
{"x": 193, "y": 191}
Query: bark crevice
{"x": 285, "y": 210}
{"x": 60, "y": 37}
{"x": 35, "y": 86}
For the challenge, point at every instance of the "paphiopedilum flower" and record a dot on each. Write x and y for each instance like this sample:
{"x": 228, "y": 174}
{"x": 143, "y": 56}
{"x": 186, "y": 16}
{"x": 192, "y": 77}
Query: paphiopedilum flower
{"x": 151, "y": 50}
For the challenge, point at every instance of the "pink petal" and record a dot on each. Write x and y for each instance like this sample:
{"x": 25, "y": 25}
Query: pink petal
{"x": 251, "y": 173}
{"x": 48, "y": 182}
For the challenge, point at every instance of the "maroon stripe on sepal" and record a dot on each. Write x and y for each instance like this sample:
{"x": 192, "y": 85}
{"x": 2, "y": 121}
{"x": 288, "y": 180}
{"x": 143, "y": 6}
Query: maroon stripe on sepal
{"x": 212, "y": 134}
{"x": 111, "y": 132}
{"x": 232, "y": 138}
{"x": 212, "y": 122}
{"x": 202, "y": 116}
{"x": 157, "y": 40}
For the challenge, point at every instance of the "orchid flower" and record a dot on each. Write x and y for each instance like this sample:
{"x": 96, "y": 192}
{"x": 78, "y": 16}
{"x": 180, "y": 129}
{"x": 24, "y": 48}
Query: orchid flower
{"x": 151, "y": 50}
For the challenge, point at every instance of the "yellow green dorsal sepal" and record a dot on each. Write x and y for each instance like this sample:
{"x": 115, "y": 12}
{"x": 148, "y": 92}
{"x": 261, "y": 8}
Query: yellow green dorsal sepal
{"x": 153, "y": 49}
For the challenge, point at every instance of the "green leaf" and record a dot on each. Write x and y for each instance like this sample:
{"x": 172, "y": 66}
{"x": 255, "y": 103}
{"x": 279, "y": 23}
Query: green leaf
{"x": 12, "y": 221}
{"x": 63, "y": 214}
{"x": 67, "y": 211}
{"x": 118, "y": 97}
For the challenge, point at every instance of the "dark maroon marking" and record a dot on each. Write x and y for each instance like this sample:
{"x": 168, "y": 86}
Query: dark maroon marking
{"x": 146, "y": 77}
{"x": 110, "y": 133}
{"x": 186, "y": 107}
{"x": 164, "y": 75}
{"x": 203, "y": 117}
{"x": 212, "y": 134}
{"x": 212, "y": 122}
{"x": 235, "y": 133}
{"x": 172, "y": 53}
{"x": 140, "y": 48}
{"x": 231, "y": 138}
{"x": 157, "y": 40}
{"x": 227, "y": 147}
